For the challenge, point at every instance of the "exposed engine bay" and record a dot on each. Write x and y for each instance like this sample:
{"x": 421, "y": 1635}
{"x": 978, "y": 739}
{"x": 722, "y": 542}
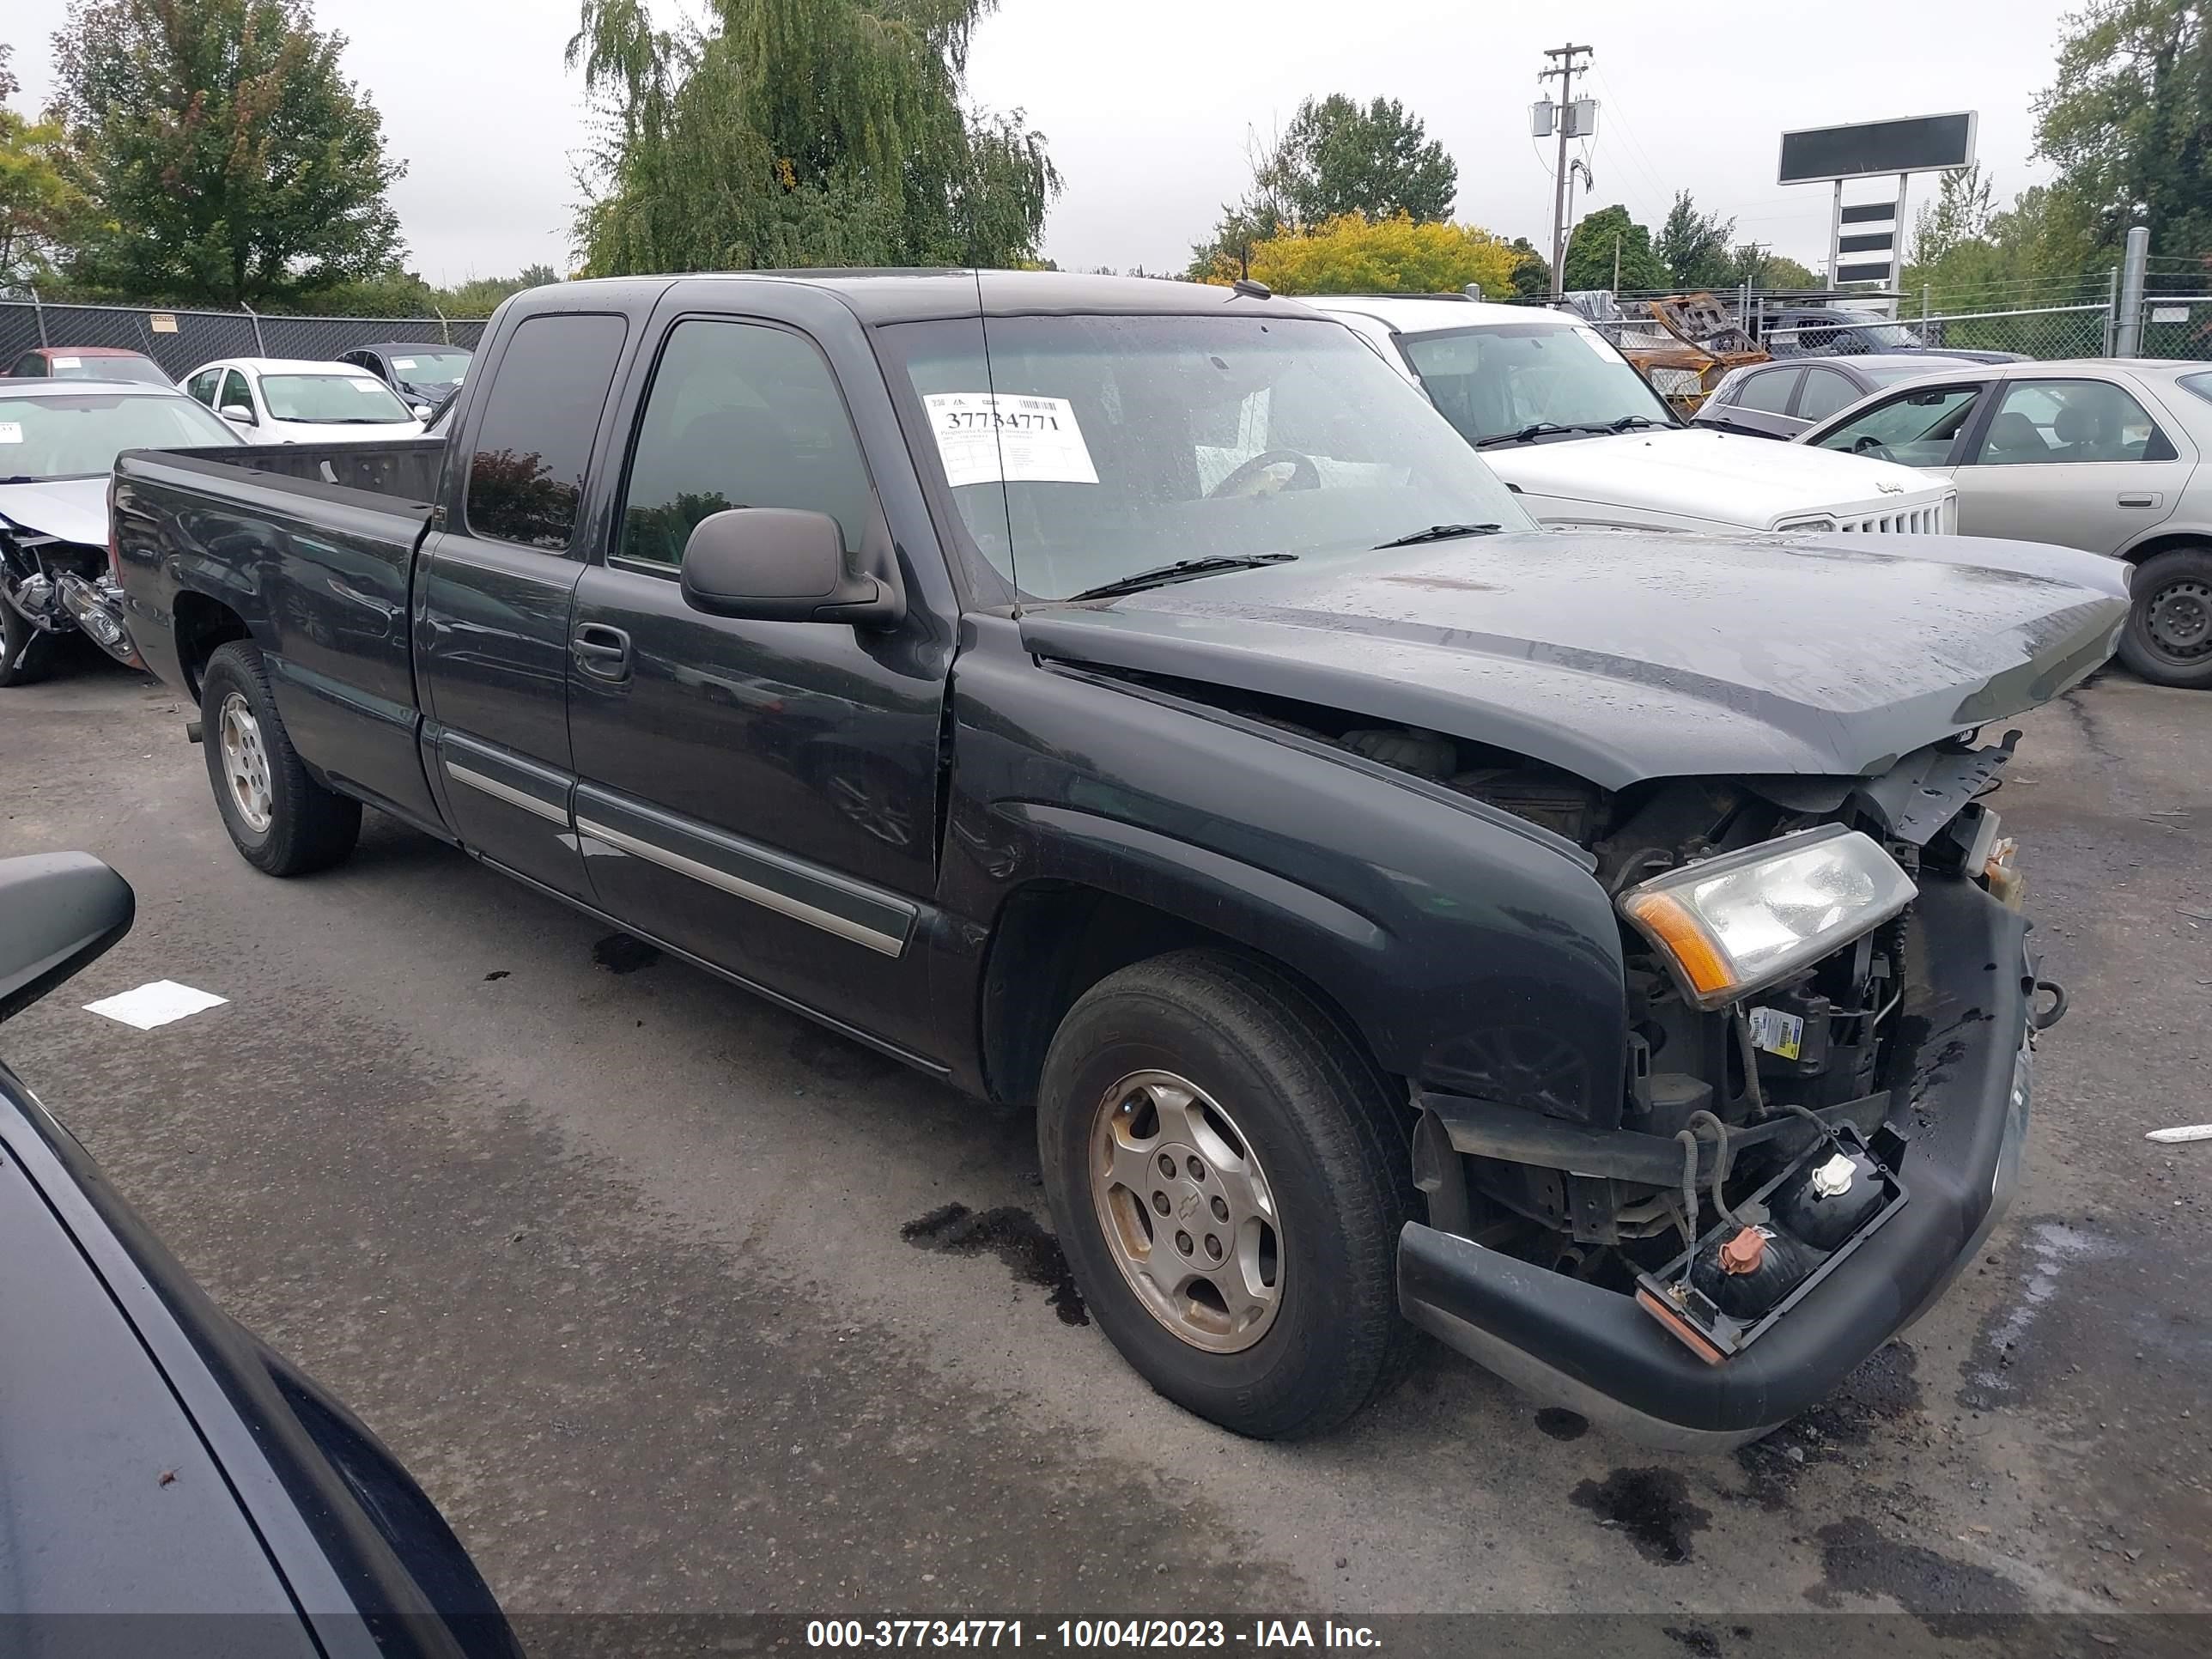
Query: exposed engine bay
{"x": 58, "y": 586}
{"x": 1754, "y": 1147}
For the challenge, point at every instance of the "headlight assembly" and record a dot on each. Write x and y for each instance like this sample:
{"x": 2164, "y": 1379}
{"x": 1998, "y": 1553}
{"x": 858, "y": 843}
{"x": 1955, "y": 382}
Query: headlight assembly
{"x": 1742, "y": 921}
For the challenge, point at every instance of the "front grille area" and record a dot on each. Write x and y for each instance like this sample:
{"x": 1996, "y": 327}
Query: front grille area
{"x": 1928, "y": 521}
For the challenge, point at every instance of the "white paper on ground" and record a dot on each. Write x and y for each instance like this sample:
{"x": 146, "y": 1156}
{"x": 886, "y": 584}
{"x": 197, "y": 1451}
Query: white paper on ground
{"x": 1035, "y": 440}
{"x": 157, "y": 1003}
{"x": 2187, "y": 1132}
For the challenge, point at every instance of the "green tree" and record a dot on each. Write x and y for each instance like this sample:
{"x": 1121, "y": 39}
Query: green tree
{"x": 1764, "y": 268}
{"x": 225, "y": 154}
{"x": 1532, "y": 272}
{"x": 2128, "y": 123}
{"x": 788, "y": 132}
{"x": 1694, "y": 246}
{"x": 1352, "y": 254}
{"x": 1336, "y": 157}
{"x": 38, "y": 204}
{"x": 1592, "y": 248}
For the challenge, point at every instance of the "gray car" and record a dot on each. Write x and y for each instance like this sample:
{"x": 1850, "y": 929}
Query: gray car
{"x": 1781, "y": 399}
{"x": 2109, "y": 455}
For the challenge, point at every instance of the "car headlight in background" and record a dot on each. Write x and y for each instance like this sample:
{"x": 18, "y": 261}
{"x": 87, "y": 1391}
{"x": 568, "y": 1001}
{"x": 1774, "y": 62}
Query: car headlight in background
{"x": 1741, "y": 922}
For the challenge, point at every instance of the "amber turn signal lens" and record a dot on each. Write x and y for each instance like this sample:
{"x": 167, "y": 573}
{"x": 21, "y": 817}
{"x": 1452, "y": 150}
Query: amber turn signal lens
{"x": 1667, "y": 922}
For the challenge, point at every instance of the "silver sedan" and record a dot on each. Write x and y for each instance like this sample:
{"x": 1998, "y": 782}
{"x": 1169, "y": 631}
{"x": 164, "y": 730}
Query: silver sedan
{"x": 2110, "y": 455}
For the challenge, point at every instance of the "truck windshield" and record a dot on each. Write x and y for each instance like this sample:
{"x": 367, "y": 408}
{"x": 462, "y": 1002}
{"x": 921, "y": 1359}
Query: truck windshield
{"x": 332, "y": 400}
{"x": 79, "y": 435}
{"x": 1496, "y": 382}
{"x": 1090, "y": 448}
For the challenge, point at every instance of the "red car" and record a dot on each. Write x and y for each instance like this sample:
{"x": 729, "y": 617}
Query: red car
{"x": 89, "y": 363}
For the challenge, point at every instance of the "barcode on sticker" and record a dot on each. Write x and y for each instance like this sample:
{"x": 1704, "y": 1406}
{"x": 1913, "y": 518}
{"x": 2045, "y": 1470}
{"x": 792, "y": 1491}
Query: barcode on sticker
{"x": 1775, "y": 1032}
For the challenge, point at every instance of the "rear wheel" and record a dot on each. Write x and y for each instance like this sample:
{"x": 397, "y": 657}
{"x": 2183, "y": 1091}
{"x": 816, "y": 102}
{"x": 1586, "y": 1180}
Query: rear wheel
{"x": 27, "y": 651}
{"x": 1227, "y": 1175}
{"x": 2168, "y": 636}
{"x": 281, "y": 820}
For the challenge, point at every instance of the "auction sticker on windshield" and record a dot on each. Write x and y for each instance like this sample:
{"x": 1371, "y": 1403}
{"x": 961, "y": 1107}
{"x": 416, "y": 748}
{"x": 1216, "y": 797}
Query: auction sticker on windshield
{"x": 984, "y": 437}
{"x": 11, "y": 432}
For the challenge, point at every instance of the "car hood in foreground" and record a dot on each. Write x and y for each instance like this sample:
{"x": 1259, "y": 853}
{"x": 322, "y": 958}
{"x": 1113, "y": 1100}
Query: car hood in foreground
{"x": 1701, "y": 474}
{"x": 68, "y": 509}
{"x": 1623, "y": 657}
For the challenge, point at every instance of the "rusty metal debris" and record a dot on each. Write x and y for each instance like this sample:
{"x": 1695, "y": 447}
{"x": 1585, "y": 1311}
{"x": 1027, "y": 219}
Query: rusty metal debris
{"x": 1705, "y": 342}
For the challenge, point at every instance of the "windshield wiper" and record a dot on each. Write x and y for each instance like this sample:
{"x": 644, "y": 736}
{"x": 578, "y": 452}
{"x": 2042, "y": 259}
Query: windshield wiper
{"x": 1440, "y": 532}
{"x": 1628, "y": 421}
{"x": 1540, "y": 428}
{"x": 1181, "y": 570}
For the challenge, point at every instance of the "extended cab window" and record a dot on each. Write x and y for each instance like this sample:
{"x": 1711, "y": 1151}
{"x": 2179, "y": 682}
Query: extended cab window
{"x": 534, "y": 441}
{"x": 1768, "y": 392}
{"x": 739, "y": 414}
{"x": 2062, "y": 421}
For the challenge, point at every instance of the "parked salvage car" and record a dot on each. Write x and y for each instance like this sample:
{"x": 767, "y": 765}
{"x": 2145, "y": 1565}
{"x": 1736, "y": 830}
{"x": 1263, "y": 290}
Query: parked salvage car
{"x": 1842, "y": 331}
{"x": 2108, "y": 455}
{"x": 1780, "y": 400}
{"x": 1563, "y": 418}
{"x": 58, "y": 440}
{"x": 424, "y": 375}
{"x": 1149, "y": 711}
{"x": 90, "y": 363}
{"x": 277, "y": 400}
{"x": 159, "y": 1467}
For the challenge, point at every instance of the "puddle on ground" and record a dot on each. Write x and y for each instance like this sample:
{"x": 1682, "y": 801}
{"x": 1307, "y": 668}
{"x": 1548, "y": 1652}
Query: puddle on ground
{"x": 1652, "y": 1507}
{"x": 2051, "y": 1248}
{"x": 619, "y": 953}
{"x": 1014, "y": 1236}
{"x": 1857, "y": 1560}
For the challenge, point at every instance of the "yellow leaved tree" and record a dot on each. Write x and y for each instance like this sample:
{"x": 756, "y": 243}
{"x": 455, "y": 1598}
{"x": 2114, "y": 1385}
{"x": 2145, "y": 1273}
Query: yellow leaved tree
{"x": 1352, "y": 254}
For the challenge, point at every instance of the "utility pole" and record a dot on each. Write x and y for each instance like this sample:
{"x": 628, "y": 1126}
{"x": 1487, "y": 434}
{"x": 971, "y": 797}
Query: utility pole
{"x": 1564, "y": 63}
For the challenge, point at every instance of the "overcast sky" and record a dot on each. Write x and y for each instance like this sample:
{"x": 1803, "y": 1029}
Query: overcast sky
{"x": 1147, "y": 104}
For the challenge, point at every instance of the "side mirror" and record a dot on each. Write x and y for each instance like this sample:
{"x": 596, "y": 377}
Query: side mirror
{"x": 58, "y": 912}
{"x": 238, "y": 412}
{"x": 422, "y": 411}
{"x": 779, "y": 564}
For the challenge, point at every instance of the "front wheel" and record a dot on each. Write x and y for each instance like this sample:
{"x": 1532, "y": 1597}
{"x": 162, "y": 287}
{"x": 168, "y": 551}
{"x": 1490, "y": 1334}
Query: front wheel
{"x": 280, "y": 818}
{"x": 2168, "y": 637}
{"x": 27, "y": 651}
{"x": 1227, "y": 1175}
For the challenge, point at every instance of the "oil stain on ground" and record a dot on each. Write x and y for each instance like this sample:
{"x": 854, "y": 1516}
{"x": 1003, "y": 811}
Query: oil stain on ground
{"x": 1013, "y": 1235}
{"x": 1884, "y": 1391}
{"x": 1561, "y": 1423}
{"x": 619, "y": 953}
{"x": 1857, "y": 1560}
{"x": 1651, "y": 1506}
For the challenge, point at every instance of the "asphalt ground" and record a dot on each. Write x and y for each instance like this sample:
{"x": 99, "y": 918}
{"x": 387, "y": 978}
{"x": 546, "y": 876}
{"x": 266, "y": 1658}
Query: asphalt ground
{"x": 656, "y": 1290}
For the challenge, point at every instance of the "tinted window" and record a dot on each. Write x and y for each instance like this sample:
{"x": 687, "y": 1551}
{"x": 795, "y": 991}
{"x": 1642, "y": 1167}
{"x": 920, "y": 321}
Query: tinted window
{"x": 1914, "y": 428}
{"x": 2198, "y": 385}
{"x": 30, "y": 366}
{"x": 535, "y": 439}
{"x": 1825, "y": 392}
{"x": 201, "y": 385}
{"x": 739, "y": 415}
{"x": 1768, "y": 392}
{"x": 2069, "y": 421}
{"x": 234, "y": 394}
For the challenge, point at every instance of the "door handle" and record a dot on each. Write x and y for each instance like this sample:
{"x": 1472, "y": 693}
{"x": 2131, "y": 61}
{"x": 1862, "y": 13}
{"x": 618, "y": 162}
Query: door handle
{"x": 601, "y": 652}
{"x": 2140, "y": 498}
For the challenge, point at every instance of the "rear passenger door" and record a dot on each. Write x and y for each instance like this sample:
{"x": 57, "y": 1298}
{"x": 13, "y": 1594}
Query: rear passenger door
{"x": 494, "y": 590}
{"x": 2074, "y": 459}
{"x": 1760, "y": 404}
{"x": 763, "y": 794}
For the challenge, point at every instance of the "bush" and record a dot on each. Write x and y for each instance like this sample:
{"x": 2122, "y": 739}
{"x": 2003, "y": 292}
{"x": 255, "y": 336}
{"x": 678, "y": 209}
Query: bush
{"x": 1351, "y": 254}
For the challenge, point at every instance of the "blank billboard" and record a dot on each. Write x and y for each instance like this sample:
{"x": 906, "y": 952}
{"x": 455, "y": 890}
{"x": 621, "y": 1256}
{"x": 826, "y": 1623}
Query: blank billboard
{"x": 1924, "y": 143}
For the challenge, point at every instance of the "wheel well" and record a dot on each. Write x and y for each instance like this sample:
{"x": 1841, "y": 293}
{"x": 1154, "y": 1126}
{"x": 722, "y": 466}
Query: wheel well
{"x": 1055, "y": 940}
{"x": 203, "y": 624}
{"x": 2158, "y": 544}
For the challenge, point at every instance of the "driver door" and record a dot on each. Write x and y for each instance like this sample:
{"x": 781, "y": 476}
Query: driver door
{"x": 1924, "y": 426}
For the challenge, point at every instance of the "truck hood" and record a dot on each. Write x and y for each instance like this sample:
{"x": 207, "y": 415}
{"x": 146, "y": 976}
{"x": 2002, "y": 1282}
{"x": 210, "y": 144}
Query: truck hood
{"x": 1621, "y": 657}
{"x": 68, "y": 509}
{"x": 1696, "y": 473}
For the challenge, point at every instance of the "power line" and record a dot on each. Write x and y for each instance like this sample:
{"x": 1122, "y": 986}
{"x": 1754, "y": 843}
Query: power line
{"x": 1561, "y": 65}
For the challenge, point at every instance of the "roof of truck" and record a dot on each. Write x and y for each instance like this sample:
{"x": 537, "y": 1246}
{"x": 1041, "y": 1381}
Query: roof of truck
{"x": 924, "y": 294}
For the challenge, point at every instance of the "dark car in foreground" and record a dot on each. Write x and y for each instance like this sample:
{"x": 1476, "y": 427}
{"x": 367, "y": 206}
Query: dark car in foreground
{"x": 168, "y": 1484}
{"x": 90, "y": 363}
{"x": 1781, "y": 399}
{"x": 425, "y": 375}
{"x": 1134, "y": 701}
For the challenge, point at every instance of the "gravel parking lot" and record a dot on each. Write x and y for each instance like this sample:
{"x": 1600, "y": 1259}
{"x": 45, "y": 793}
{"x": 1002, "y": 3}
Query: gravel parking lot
{"x": 663, "y": 1294}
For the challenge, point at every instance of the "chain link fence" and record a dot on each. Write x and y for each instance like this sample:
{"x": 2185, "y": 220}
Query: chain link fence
{"x": 181, "y": 340}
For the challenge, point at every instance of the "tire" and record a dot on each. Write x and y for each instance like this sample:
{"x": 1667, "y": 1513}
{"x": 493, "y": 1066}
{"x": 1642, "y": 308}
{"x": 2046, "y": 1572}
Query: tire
{"x": 2168, "y": 636}
{"x": 1278, "y": 1081}
{"x": 27, "y": 652}
{"x": 303, "y": 827}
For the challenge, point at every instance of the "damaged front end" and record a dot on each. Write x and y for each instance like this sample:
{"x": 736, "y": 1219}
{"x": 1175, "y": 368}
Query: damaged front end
{"x": 57, "y": 585}
{"x": 1832, "y": 1001}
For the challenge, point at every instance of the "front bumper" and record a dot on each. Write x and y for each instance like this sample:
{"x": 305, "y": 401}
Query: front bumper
{"x": 1964, "y": 1114}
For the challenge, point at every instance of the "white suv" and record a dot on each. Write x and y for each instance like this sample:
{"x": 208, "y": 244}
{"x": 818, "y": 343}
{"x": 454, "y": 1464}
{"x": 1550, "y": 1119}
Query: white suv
{"x": 1561, "y": 416}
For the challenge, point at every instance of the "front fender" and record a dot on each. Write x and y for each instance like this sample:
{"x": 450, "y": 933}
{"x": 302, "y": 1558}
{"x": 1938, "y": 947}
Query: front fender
{"x": 1471, "y": 950}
